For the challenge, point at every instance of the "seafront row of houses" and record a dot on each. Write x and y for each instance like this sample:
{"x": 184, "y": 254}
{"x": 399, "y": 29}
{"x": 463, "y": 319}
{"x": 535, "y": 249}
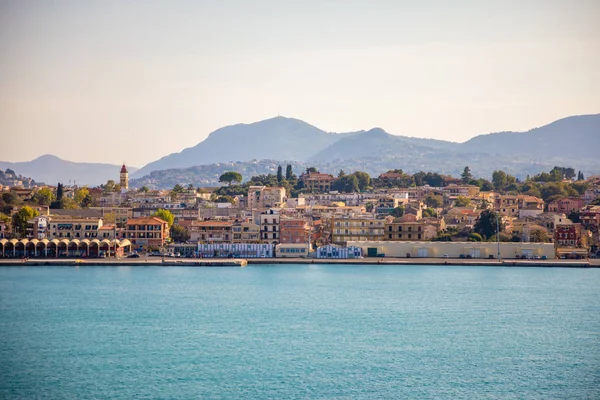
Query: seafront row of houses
{"x": 266, "y": 222}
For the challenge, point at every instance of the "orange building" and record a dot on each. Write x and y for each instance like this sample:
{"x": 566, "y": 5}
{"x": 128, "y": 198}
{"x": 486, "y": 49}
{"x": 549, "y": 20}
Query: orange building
{"x": 150, "y": 231}
{"x": 293, "y": 230}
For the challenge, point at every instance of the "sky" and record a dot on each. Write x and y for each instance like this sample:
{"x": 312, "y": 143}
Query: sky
{"x": 132, "y": 81}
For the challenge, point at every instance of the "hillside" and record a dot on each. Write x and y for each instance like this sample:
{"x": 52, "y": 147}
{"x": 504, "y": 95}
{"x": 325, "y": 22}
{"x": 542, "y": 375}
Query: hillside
{"x": 51, "y": 170}
{"x": 572, "y": 137}
{"x": 284, "y": 138}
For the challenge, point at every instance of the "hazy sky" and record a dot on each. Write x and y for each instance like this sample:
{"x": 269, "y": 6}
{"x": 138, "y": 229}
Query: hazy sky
{"x": 114, "y": 81}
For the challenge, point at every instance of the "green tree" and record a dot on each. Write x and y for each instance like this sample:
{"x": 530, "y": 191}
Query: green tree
{"x": 364, "y": 180}
{"x": 341, "y": 173}
{"x": 487, "y": 222}
{"x": 59, "y": 191}
{"x": 346, "y": 184}
{"x": 311, "y": 169}
{"x": 369, "y": 206}
{"x": 466, "y": 175}
{"x": 179, "y": 233}
{"x": 434, "y": 201}
{"x": 230, "y": 177}
{"x": 178, "y": 189}
{"x": 165, "y": 215}
{"x": 462, "y": 201}
{"x": 398, "y": 212}
{"x": 475, "y": 237}
{"x": 44, "y": 196}
{"x": 499, "y": 179}
{"x": 288, "y": 172}
{"x": 279, "y": 174}
{"x": 10, "y": 198}
{"x": 429, "y": 212}
{"x": 143, "y": 189}
{"x": 20, "y": 218}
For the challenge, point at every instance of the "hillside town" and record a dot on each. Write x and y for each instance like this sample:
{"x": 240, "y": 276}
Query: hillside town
{"x": 552, "y": 214}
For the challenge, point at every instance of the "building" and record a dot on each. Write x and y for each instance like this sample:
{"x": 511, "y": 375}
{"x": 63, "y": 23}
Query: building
{"x": 292, "y": 250}
{"x": 269, "y": 226}
{"x": 211, "y": 231}
{"x": 566, "y": 205}
{"x": 508, "y": 250}
{"x": 293, "y": 230}
{"x": 396, "y": 230}
{"x": 568, "y": 236}
{"x": 344, "y": 228}
{"x": 147, "y": 231}
{"x": 317, "y": 182}
{"x": 59, "y": 227}
{"x": 246, "y": 232}
{"x": 37, "y": 227}
{"x": 265, "y": 197}
{"x": 124, "y": 179}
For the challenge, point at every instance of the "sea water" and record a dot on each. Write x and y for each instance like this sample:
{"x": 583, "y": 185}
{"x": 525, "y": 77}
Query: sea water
{"x": 299, "y": 332}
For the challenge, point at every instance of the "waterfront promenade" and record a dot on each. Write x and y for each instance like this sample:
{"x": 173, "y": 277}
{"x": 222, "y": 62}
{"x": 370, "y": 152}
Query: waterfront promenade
{"x": 228, "y": 262}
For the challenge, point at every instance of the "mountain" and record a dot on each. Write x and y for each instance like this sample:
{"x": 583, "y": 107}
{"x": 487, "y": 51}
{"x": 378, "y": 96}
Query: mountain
{"x": 569, "y": 138}
{"x": 284, "y": 138}
{"x": 376, "y": 143}
{"x": 51, "y": 170}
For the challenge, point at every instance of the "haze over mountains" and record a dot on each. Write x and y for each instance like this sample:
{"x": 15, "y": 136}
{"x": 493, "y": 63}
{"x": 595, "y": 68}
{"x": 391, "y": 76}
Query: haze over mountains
{"x": 572, "y": 141}
{"x": 51, "y": 170}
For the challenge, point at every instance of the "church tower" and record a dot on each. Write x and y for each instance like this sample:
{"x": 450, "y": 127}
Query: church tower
{"x": 124, "y": 178}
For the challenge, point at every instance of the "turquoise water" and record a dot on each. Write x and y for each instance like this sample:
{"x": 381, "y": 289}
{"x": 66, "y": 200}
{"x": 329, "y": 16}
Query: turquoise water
{"x": 299, "y": 331}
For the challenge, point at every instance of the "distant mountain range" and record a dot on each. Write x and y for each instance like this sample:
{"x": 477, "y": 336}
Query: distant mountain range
{"x": 51, "y": 170}
{"x": 572, "y": 141}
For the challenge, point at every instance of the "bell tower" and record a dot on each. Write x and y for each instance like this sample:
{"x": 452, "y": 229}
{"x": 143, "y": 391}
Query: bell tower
{"x": 124, "y": 178}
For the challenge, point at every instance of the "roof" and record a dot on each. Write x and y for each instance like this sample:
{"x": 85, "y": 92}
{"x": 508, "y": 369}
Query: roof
{"x": 78, "y": 213}
{"x": 145, "y": 221}
{"x": 123, "y": 169}
{"x": 212, "y": 223}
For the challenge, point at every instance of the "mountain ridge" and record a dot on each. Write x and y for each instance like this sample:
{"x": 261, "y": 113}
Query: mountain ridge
{"x": 51, "y": 169}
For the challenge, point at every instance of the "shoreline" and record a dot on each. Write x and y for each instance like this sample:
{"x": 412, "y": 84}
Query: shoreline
{"x": 237, "y": 263}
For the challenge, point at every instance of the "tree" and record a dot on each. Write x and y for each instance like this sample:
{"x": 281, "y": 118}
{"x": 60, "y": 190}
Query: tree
{"x": 230, "y": 177}
{"x": 462, "y": 201}
{"x": 434, "y": 201}
{"x": 178, "y": 189}
{"x": 143, "y": 189}
{"x": 580, "y": 176}
{"x": 109, "y": 218}
{"x": 574, "y": 216}
{"x": 398, "y": 212}
{"x": 19, "y": 220}
{"x": 466, "y": 175}
{"x": 10, "y": 198}
{"x": 346, "y": 184}
{"x": 279, "y": 174}
{"x": 595, "y": 202}
{"x": 364, "y": 180}
{"x": 475, "y": 237}
{"x": 288, "y": 172}
{"x": 487, "y": 222}
{"x": 429, "y": 212}
{"x": 81, "y": 194}
{"x": 341, "y": 173}
{"x": 44, "y": 196}
{"x": 369, "y": 206}
{"x": 165, "y": 215}
{"x": 499, "y": 180}
{"x": 110, "y": 186}
{"x": 539, "y": 236}
{"x": 312, "y": 169}
{"x": 179, "y": 233}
